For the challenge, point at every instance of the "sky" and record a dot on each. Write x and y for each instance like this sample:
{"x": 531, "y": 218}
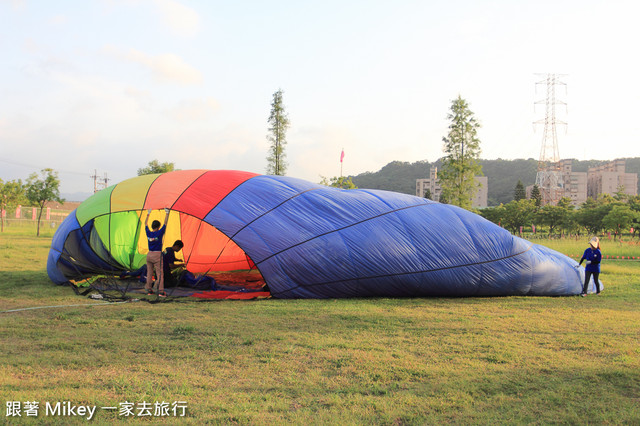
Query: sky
{"x": 107, "y": 86}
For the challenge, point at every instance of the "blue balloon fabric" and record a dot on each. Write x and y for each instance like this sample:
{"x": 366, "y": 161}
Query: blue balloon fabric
{"x": 313, "y": 241}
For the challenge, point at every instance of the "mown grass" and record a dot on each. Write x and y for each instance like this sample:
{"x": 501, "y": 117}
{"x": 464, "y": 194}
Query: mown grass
{"x": 361, "y": 361}
{"x": 574, "y": 247}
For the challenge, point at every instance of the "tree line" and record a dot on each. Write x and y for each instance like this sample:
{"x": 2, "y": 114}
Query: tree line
{"x": 618, "y": 214}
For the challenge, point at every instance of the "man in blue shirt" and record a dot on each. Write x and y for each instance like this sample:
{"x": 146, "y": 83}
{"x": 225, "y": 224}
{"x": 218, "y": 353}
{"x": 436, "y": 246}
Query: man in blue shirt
{"x": 155, "y": 235}
{"x": 593, "y": 257}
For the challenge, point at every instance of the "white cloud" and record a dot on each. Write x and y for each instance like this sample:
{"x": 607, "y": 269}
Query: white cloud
{"x": 46, "y": 66}
{"x": 58, "y": 20}
{"x": 314, "y": 151}
{"x": 86, "y": 138}
{"x": 183, "y": 20}
{"x": 166, "y": 67}
{"x": 18, "y": 4}
{"x": 31, "y": 46}
{"x": 233, "y": 147}
{"x": 142, "y": 97}
{"x": 194, "y": 109}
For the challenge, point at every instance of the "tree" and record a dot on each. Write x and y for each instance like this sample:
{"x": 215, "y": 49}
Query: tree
{"x": 552, "y": 216}
{"x": 11, "y": 193}
{"x": 620, "y": 194}
{"x": 517, "y": 214}
{"x": 40, "y": 191}
{"x": 634, "y": 204}
{"x": 154, "y": 167}
{"x": 519, "y": 193}
{"x": 494, "y": 214}
{"x": 536, "y": 196}
{"x": 338, "y": 182}
{"x": 592, "y": 212}
{"x": 427, "y": 194}
{"x": 279, "y": 123}
{"x": 565, "y": 202}
{"x": 462, "y": 149}
{"x": 568, "y": 222}
{"x": 606, "y": 199}
{"x": 619, "y": 217}
{"x": 443, "y": 198}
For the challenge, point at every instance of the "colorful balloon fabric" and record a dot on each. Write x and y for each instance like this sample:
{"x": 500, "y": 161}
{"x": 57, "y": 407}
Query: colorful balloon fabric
{"x": 307, "y": 240}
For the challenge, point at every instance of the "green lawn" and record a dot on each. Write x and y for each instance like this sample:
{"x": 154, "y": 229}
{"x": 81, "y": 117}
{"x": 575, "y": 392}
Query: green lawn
{"x": 361, "y": 361}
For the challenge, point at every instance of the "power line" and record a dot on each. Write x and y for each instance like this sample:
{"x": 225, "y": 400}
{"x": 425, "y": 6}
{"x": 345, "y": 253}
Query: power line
{"x": 37, "y": 168}
{"x": 99, "y": 182}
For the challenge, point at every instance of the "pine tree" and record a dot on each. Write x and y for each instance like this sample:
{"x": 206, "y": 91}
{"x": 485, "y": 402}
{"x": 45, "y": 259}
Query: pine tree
{"x": 462, "y": 149}
{"x": 279, "y": 123}
{"x": 536, "y": 195}
{"x": 519, "y": 193}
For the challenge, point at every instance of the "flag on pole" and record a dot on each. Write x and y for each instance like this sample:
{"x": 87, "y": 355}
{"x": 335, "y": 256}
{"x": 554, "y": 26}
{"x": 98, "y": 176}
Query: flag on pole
{"x": 342, "y": 155}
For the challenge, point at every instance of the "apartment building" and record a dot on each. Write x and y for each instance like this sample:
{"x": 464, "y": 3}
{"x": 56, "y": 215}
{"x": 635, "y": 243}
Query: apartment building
{"x": 609, "y": 178}
{"x": 574, "y": 183}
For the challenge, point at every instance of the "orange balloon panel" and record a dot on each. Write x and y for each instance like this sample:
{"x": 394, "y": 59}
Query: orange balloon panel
{"x": 168, "y": 187}
{"x": 206, "y": 249}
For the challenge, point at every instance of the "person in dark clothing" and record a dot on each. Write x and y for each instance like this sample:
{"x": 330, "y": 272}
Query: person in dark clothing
{"x": 174, "y": 276}
{"x": 185, "y": 278}
{"x": 170, "y": 263}
{"x": 592, "y": 256}
{"x": 172, "y": 273}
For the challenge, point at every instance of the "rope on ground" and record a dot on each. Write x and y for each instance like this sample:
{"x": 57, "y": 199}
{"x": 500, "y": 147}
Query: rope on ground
{"x": 67, "y": 306}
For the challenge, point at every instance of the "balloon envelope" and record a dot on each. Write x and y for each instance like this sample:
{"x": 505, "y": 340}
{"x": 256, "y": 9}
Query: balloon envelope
{"x": 308, "y": 240}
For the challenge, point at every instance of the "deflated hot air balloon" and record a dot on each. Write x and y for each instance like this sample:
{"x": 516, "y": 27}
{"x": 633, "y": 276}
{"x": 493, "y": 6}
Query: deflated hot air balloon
{"x": 308, "y": 240}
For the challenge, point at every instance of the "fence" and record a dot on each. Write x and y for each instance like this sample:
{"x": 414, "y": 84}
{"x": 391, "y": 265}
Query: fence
{"x": 21, "y": 216}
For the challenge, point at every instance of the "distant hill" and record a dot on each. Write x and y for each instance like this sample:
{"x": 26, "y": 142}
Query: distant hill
{"x": 503, "y": 175}
{"x": 398, "y": 176}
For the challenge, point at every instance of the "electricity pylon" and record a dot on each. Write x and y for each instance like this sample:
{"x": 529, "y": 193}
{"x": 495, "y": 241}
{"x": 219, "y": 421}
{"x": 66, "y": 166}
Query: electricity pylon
{"x": 549, "y": 177}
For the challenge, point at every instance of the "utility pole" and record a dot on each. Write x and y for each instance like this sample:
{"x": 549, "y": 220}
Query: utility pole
{"x": 95, "y": 180}
{"x": 99, "y": 182}
{"x": 549, "y": 177}
{"x": 105, "y": 181}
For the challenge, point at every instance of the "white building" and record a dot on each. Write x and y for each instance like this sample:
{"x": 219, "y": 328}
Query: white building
{"x": 610, "y": 178}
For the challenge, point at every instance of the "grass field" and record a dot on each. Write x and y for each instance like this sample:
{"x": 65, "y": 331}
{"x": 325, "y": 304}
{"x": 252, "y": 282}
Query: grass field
{"x": 362, "y": 361}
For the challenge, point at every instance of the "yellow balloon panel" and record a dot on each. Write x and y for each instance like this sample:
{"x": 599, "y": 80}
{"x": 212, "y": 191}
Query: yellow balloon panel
{"x": 131, "y": 193}
{"x": 171, "y": 234}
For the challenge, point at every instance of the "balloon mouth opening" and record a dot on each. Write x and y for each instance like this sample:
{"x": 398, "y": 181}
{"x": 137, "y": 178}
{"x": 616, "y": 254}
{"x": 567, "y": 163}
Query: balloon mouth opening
{"x": 119, "y": 241}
